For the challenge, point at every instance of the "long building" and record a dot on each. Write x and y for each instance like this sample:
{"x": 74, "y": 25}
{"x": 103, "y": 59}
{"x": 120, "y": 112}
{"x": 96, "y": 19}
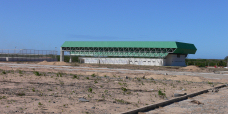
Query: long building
{"x": 153, "y": 53}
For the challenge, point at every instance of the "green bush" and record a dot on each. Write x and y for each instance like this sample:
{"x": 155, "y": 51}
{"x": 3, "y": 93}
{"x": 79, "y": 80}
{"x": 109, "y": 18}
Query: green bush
{"x": 37, "y": 73}
{"x": 124, "y": 89}
{"x": 90, "y": 90}
{"x": 93, "y": 75}
{"x": 75, "y": 77}
{"x": 3, "y": 72}
{"x": 205, "y": 62}
{"x": 160, "y": 93}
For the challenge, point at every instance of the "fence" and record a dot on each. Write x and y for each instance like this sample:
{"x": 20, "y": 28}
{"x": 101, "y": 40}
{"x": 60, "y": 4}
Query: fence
{"x": 27, "y": 55}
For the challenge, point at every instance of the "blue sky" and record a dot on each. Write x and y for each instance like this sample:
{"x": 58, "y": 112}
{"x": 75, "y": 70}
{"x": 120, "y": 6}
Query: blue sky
{"x": 46, "y": 24}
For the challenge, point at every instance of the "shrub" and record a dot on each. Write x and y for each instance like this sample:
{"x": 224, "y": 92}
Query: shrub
{"x": 40, "y": 103}
{"x": 90, "y": 90}
{"x": 33, "y": 89}
{"x": 124, "y": 89}
{"x": 138, "y": 79}
{"x": 161, "y": 94}
{"x": 3, "y": 72}
{"x": 106, "y": 91}
{"x": 3, "y": 97}
{"x": 36, "y": 73}
{"x": 59, "y": 74}
{"x": 93, "y": 75}
{"x": 95, "y": 81}
{"x": 20, "y": 72}
{"x": 210, "y": 83}
{"x": 75, "y": 77}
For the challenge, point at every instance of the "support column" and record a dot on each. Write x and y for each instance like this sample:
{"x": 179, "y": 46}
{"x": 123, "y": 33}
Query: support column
{"x": 61, "y": 55}
{"x": 70, "y": 59}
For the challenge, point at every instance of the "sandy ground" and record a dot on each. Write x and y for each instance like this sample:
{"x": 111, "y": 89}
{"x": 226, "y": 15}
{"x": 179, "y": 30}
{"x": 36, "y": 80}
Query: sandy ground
{"x": 57, "y": 89}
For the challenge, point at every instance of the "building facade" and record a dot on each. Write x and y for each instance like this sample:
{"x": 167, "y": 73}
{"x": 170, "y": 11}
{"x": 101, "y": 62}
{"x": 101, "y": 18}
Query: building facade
{"x": 129, "y": 52}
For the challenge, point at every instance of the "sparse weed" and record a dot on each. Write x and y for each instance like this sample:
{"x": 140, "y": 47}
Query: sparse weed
{"x": 65, "y": 105}
{"x": 122, "y": 101}
{"x": 138, "y": 79}
{"x": 2, "y": 97}
{"x": 106, "y": 91}
{"x": 125, "y": 84}
{"x": 124, "y": 89}
{"x": 61, "y": 82}
{"x": 36, "y": 73}
{"x": 49, "y": 89}
{"x": 33, "y": 89}
{"x": 3, "y": 72}
{"x": 128, "y": 92}
{"x": 90, "y": 90}
{"x": 93, "y": 75}
{"x": 75, "y": 77}
{"x": 40, "y": 103}
{"x": 59, "y": 74}
{"x": 20, "y": 72}
{"x": 95, "y": 81}
{"x": 210, "y": 82}
{"x": 161, "y": 94}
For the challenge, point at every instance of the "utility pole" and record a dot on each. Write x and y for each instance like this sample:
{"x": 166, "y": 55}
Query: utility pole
{"x": 15, "y": 50}
{"x": 55, "y": 52}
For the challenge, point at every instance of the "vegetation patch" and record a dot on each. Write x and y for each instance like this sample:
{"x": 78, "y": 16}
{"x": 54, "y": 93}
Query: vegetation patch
{"x": 122, "y": 101}
{"x": 36, "y": 73}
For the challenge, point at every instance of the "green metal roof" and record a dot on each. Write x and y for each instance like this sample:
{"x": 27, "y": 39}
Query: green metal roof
{"x": 182, "y": 48}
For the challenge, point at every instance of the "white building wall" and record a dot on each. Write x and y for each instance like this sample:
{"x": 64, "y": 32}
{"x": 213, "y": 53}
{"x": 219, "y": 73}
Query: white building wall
{"x": 174, "y": 60}
{"x": 133, "y": 61}
{"x": 170, "y": 60}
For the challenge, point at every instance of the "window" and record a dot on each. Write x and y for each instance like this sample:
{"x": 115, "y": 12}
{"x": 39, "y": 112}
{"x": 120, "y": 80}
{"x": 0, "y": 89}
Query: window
{"x": 178, "y": 56}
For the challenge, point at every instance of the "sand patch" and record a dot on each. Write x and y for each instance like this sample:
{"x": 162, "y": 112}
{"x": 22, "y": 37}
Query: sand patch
{"x": 54, "y": 63}
{"x": 191, "y": 68}
{"x": 177, "y": 77}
